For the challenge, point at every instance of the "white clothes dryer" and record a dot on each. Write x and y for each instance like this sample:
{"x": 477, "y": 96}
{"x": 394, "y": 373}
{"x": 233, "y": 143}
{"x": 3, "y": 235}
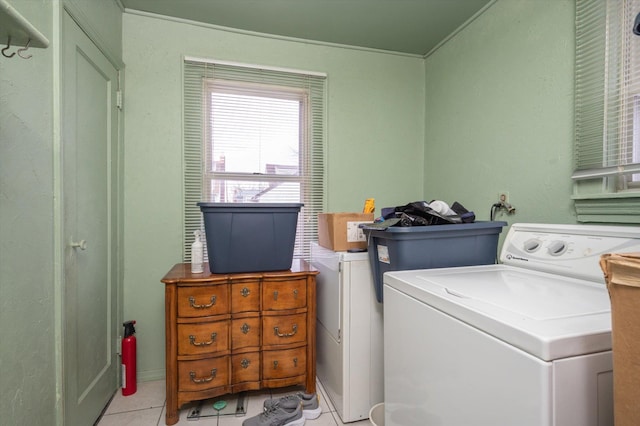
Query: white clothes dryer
{"x": 349, "y": 337}
{"x": 523, "y": 343}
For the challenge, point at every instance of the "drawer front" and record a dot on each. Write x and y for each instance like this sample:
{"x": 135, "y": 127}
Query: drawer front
{"x": 282, "y": 364}
{"x": 245, "y": 333}
{"x": 203, "y": 338}
{"x": 203, "y": 374}
{"x": 284, "y": 329}
{"x": 245, "y": 296}
{"x": 203, "y": 301}
{"x": 280, "y": 295}
{"x": 245, "y": 368}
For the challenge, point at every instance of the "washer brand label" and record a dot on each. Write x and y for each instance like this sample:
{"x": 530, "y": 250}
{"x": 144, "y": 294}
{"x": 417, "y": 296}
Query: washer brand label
{"x": 512, "y": 257}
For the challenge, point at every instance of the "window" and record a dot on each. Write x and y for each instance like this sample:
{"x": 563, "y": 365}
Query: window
{"x": 607, "y": 111}
{"x": 251, "y": 131}
{"x": 253, "y": 135}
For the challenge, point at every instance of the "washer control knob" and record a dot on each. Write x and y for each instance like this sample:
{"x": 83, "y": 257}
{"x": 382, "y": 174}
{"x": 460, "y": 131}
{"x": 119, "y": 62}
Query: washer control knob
{"x": 556, "y": 248}
{"x": 532, "y": 245}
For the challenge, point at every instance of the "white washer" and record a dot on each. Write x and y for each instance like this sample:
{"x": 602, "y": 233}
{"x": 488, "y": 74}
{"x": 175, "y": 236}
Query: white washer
{"x": 349, "y": 342}
{"x": 526, "y": 342}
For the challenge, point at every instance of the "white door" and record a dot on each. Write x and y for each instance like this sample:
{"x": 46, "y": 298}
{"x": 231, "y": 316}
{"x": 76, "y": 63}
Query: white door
{"x": 89, "y": 159}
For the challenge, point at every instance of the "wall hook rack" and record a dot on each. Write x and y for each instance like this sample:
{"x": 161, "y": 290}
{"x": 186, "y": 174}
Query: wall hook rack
{"x": 18, "y": 31}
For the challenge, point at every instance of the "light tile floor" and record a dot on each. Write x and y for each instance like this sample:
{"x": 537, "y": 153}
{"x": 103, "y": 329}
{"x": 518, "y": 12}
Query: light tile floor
{"x": 147, "y": 408}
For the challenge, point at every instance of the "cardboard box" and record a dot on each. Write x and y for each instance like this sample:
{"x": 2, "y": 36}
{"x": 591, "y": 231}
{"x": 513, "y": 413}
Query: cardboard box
{"x": 622, "y": 274}
{"x": 340, "y": 231}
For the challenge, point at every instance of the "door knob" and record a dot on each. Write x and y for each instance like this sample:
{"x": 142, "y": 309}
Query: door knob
{"x": 82, "y": 244}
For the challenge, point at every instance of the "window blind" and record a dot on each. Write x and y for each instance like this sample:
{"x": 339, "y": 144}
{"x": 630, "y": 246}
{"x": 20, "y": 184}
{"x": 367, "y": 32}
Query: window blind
{"x": 235, "y": 143}
{"x": 607, "y": 90}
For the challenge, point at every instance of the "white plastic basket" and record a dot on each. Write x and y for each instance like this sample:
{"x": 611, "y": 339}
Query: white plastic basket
{"x": 376, "y": 414}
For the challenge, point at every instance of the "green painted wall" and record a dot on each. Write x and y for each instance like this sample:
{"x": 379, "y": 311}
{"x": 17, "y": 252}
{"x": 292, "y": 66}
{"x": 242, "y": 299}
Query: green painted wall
{"x": 499, "y": 112}
{"x": 374, "y": 142}
{"x": 27, "y": 346}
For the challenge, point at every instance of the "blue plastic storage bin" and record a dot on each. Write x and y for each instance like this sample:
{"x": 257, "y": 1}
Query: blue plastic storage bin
{"x": 250, "y": 237}
{"x": 435, "y": 246}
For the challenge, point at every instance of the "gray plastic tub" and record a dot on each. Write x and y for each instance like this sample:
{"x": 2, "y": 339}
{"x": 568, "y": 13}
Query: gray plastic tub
{"x": 250, "y": 237}
{"x": 435, "y": 246}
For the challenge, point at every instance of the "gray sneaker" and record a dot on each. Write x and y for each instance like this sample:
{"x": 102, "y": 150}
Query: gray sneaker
{"x": 277, "y": 415}
{"x": 310, "y": 406}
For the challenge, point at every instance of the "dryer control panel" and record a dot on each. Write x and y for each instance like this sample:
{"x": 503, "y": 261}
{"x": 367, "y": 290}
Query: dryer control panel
{"x": 569, "y": 250}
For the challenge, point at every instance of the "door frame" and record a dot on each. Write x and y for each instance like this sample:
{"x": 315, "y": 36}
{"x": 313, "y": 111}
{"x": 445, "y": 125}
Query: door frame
{"x": 60, "y": 8}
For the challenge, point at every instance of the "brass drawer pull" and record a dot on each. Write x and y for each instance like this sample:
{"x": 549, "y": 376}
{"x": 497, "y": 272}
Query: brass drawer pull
{"x": 295, "y": 294}
{"x": 245, "y": 292}
{"x": 275, "y": 363}
{"x": 245, "y": 328}
{"x": 192, "y": 374}
{"x": 245, "y": 363}
{"x": 192, "y": 302}
{"x": 295, "y": 330}
{"x": 192, "y": 340}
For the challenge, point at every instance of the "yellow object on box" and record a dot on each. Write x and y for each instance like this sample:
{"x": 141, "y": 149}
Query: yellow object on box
{"x": 340, "y": 231}
{"x": 622, "y": 274}
{"x": 369, "y": 205}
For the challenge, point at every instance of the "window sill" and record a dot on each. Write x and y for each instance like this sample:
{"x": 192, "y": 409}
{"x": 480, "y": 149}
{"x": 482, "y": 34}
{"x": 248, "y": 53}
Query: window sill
{"x": 622, "y": 207}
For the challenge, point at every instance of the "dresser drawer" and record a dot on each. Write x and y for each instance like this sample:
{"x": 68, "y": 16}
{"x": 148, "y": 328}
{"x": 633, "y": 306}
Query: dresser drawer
{"x": 284, "y": 329}
{"x": 203, "y": 301}
{"x": 203, "y": 338}
{"x": 286, "y": 363}
{"x": 281, "y": 295}
{"x": 245, "y": 296}
{"x": 245, "y": 333}
{"x": 203, "y": 374}
{"x": 245, "y": 367}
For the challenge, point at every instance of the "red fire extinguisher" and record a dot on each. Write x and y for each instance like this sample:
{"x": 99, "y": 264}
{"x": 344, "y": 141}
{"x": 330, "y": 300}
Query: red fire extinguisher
{"x": 129, "y": 385}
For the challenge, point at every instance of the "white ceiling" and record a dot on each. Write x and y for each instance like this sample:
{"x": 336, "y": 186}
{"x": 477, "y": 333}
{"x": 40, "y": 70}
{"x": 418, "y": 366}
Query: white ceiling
{"x": 407, "y": 26}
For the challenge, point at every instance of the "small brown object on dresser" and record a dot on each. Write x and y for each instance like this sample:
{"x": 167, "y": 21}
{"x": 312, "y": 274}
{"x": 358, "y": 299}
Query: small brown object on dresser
{"x": 228, "y": 333}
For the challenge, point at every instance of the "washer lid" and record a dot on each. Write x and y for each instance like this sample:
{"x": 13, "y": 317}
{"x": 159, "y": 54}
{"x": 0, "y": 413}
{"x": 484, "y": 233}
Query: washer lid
{"x": 546, "y": 315}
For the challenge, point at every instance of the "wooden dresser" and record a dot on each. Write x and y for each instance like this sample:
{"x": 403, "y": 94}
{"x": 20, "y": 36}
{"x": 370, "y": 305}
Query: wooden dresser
{"x": 228, "y": 333}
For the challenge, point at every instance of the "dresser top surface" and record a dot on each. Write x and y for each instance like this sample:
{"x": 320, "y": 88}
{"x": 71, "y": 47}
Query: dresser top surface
{"x": 181, "y": 272}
